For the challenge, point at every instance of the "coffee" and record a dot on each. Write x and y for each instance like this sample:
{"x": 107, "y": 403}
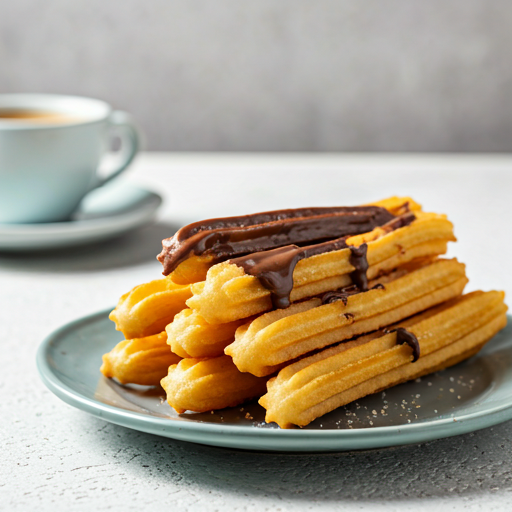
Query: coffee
{"x": 37, "y": 116}
{"x": 51, "y": 147}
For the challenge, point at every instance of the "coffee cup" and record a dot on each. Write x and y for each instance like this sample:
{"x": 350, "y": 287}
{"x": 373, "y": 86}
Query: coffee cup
{"x": 51, "y": 148}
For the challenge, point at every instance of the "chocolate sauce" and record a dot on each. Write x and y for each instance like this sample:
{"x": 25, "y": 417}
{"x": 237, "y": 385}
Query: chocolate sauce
{"x": 274, "y": 269}
{"x": 399, "y": 222}
{"x": 330, "y": 297}
{"x": 342, "y": 294}
{"x": 269, "y": 245}
{"x": 405, "y": 336}
{"x": 345, "y": 293}
{"x": 360, "y": 263}
{"x": 235, "y": 236}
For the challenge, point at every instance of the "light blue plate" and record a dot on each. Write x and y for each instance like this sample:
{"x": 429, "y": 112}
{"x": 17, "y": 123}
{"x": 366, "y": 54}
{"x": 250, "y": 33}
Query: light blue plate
{"x": 470, "y": 396}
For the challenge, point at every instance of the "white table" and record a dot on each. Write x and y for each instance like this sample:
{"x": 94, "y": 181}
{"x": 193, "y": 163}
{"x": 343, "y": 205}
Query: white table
{"x": 57, "y": 458}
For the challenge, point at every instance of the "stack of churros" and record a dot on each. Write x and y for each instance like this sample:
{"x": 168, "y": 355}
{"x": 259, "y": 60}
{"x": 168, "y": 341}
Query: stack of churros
{"x": 306, "y": 309}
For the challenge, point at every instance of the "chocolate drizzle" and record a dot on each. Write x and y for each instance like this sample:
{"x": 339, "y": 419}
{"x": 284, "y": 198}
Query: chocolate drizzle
{"x": 360, "y": 263}
{"x": 405, "y": 336}
{"x": 269, "y": 245}
{"x": 330, "y": 297}
{"x": 345, "y": 293}
{"x": 236, "y": 236}
{"x": 274, "y": 269}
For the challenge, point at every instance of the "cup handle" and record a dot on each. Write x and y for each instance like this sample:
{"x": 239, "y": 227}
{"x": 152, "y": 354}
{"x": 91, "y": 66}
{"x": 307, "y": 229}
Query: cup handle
{"x": 125, "y": 128}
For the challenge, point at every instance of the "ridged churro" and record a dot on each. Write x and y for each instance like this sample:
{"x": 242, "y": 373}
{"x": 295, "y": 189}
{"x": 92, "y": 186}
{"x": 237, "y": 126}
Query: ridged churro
{"x": 220, "y": 239}
{"x": 229, "y": 293}
{"x": 140, "y": 361}
{"x": 201, "y": 385}
{"x": 149, "y": 307}
{"x": 338, "y": 302}
{"x": 336, "y": 376}
{"x": 189, "y": 335}
{"x": 278, "y": 337}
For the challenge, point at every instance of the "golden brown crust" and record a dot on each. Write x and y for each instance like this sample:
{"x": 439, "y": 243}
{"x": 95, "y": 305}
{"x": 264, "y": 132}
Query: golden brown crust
{"x": 149, "y": 307}
{"x": 228, "y": 294}
{"x": 233, "y": 311}
{"x": 141, "y": 361}
{"x": 189, "y": 335}
{"x": 202, "y": 385}
{"x": 280, "y": 336}
{"x": 313, "y": 386}
{"x": 192, "y": 270}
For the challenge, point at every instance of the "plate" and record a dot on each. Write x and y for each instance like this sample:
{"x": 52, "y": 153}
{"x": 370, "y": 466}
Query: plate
{"x": 469, "y": 396}
{"x": 106, "y": 212}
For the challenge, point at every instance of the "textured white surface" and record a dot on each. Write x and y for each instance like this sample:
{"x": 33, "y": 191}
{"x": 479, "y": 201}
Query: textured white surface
{"x": 58, "y": 458}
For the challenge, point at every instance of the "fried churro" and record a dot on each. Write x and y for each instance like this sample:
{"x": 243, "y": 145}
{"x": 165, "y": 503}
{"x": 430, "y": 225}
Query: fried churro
{"x": 149, "y": 307}
{"x": 338, "y": 302}
{"x": 201, "y": 385}
{"x": 336, "y": 376}
{"x": 231, "y": 293}
{"x": 278, "y": 337}
{"x": 189, "y": 335}
{"x": 220, "y": 239}
{"x": 140, "y": 361}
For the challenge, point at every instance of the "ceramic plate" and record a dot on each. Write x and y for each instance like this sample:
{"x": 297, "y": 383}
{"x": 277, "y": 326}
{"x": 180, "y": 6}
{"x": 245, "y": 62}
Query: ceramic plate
{"x": 108, "y": 211}
{"x": 469, "y": 396}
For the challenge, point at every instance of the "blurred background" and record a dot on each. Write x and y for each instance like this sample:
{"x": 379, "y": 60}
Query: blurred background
{"x": 291, "y": 75}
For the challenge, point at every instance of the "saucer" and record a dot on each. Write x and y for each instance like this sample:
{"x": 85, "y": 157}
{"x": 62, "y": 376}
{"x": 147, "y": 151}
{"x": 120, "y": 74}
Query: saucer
{"x": 106, "y": 212}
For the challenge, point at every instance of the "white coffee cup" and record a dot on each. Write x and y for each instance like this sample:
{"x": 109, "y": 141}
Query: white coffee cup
{"x": 51, "y": 147}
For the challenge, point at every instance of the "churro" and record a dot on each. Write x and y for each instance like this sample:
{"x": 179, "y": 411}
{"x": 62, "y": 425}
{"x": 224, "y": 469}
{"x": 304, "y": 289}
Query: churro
{"x": 278, "y": 337}
{"x": 336, "y": 376}
{"x": 139, "y": 361}
{"x": 216, "y": 240}
{"x": 338, "y": 302}
{"x": 149, "y": 307}
{"x": 201, "y": 385}
{"x": 231, "y": 293}
{"x": 189, "y": 335}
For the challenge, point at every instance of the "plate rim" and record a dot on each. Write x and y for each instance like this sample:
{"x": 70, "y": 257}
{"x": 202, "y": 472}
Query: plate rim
{"x": 427, "y": 430}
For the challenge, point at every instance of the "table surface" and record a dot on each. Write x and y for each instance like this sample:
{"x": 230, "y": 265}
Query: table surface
{"x": 55, "y": 457}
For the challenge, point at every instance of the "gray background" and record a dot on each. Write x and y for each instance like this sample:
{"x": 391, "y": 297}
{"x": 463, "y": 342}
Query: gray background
{"x": 286, "y": 75}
